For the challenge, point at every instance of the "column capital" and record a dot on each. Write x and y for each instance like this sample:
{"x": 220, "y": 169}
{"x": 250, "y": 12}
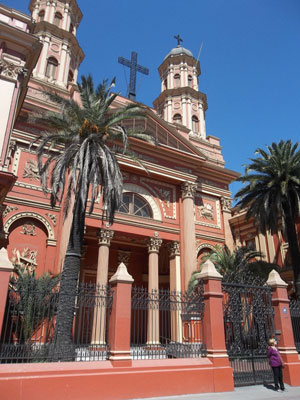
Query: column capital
{"x": 188, "y": 190}
{"x": 174, "y": 249}
{"x": 154, "y": 244}
{"x": 105, "y": 236}
{"x": 9, "y": 69}
{"x": 225, "y": 204}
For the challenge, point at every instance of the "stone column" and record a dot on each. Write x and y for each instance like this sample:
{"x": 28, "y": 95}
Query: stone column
{"x": 62, "y": 64}
{"x": 183, "y": 108}
{"x": 47, "y": 12}
{"x": 188, "y": 230}
{"x": 202, "y": 121}
{"x": 105, "y": 236}
{"x": 175, "y": 289}
{"x": 66, "y": 17}
{"x": 271, "y": 247}
{"x": 283, "y": 324}
{"x": 99, "y": 320}
{"x": 119, "y": 323}
{"x": 41, "y": 67}
{"x": 153, "y": 310}
{"x": 214, "y": 334}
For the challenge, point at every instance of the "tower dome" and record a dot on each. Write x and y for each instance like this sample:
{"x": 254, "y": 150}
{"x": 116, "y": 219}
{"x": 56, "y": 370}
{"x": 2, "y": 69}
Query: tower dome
{"x": 179, "y": 50}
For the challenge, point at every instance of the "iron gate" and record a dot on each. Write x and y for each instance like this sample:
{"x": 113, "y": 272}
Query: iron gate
{"x": 248, "y": 323}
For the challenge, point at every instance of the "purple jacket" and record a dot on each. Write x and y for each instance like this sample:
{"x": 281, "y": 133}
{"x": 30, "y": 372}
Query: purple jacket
{"x": 274, "y": 357}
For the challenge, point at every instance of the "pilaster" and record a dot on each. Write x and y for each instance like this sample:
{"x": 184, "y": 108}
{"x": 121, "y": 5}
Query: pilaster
{"x": 188, "y": 230}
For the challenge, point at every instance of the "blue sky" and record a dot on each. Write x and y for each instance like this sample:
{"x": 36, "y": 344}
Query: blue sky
{"x": 250, "y": 60}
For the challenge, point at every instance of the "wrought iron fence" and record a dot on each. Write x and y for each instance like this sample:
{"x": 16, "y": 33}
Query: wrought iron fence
{"x": 167, "y": 324}
{"x": 248, "y": 323}
{"x": 295, "y": 316}
{"x": 29, "y": 325}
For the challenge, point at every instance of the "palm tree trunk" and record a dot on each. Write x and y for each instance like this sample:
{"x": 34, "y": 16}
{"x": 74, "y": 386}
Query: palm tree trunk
{"x": 292, "y": 237}
{"x": 63, "y": 349}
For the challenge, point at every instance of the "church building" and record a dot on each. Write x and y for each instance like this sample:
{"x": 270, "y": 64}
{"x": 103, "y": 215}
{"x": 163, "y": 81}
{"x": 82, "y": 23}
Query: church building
{"x": 175, "y": 208}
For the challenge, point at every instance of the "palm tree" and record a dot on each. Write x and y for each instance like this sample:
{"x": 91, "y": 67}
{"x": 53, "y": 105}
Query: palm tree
{"x": 227, "y": 262}
{"x": 271, "y": 194}
{"x": 86, "y": 132}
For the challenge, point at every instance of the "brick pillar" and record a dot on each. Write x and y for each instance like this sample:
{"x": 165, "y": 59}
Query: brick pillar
{"x": 119, "y": 323}
{"x": 283, "y": 324}
{"x": 214, "y": 334}
{"x": 6, "y": 268}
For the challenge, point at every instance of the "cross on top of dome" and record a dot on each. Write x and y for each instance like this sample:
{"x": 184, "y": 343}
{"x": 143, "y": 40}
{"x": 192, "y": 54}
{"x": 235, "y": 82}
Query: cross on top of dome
{"x": 179, "y": 39}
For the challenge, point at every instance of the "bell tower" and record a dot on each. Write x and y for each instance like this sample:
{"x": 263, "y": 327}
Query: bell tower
{"x": 180, "y": 102}
{"x": 56, "y": 22}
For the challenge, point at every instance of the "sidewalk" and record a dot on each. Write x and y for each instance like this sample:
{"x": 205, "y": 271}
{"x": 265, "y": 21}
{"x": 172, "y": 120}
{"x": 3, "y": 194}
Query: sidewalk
{"x": 259, "y": 392}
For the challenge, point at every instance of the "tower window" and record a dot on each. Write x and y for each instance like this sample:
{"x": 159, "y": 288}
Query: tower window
{"x": 190, "y": 81}
{"x": 134, "y": 204}
{"x": 70, "y": 76}
{"x": 41, "y": 16}
{"x": 195, "y": 124}
{"x": 57, "y": 19}
{"x": 71, "y": 28}
{"x": 51, "y": 68}
{"x": 176, "y": 80}
{"x": 177, "y": 118}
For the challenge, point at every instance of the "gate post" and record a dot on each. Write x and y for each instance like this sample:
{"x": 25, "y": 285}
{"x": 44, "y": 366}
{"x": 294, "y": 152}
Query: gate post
{"x": 283, "y": 324}
{"x": 214, "y": 334}
{"x": 6, "y": 268}
{"x": 119, "y": 323}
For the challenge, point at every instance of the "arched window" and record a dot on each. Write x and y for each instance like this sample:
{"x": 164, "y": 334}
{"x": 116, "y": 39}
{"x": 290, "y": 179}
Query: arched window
{"x": 71, "y": 28}
{"x": 57, "y": 19}
{"x": 41, "y": 15}
{"x": 51, "y": 68}
{"x": 190, "y": 81}
{"x": 177, "y": 118}
{"x": 195, "y": 124}
{"x": 134, "y": 204}
{"x": 166, "y": 83}
{"x": 70, "y": 76}
{"x": 176, "y": 80}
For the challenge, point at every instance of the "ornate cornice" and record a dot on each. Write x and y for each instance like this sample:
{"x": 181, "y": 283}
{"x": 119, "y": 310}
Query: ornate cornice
{"x": 105, "y": 236}
{"x": 174, "y": 249}
{"x": 188, "y": 190}
{"x": 226, "y": 204}
{"x": 154, "y": 244}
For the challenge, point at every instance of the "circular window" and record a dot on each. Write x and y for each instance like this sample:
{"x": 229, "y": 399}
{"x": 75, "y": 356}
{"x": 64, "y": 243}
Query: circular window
{"x": 134, "y": 204}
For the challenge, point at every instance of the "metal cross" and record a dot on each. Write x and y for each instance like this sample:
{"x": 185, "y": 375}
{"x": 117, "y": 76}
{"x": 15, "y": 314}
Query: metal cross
{"x": 178, "y": 38}
{"x": 134, "y": 68}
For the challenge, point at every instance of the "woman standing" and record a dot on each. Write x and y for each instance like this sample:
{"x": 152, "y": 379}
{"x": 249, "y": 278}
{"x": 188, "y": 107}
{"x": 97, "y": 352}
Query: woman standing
{"x": 276, "y": 363}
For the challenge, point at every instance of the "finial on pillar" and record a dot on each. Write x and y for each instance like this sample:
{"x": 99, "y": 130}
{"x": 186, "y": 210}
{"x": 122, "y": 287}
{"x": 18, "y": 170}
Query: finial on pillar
{"x": 121, "y": 275}
{"x": 275, "y": 280}
{"x": 208, "y": 271}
